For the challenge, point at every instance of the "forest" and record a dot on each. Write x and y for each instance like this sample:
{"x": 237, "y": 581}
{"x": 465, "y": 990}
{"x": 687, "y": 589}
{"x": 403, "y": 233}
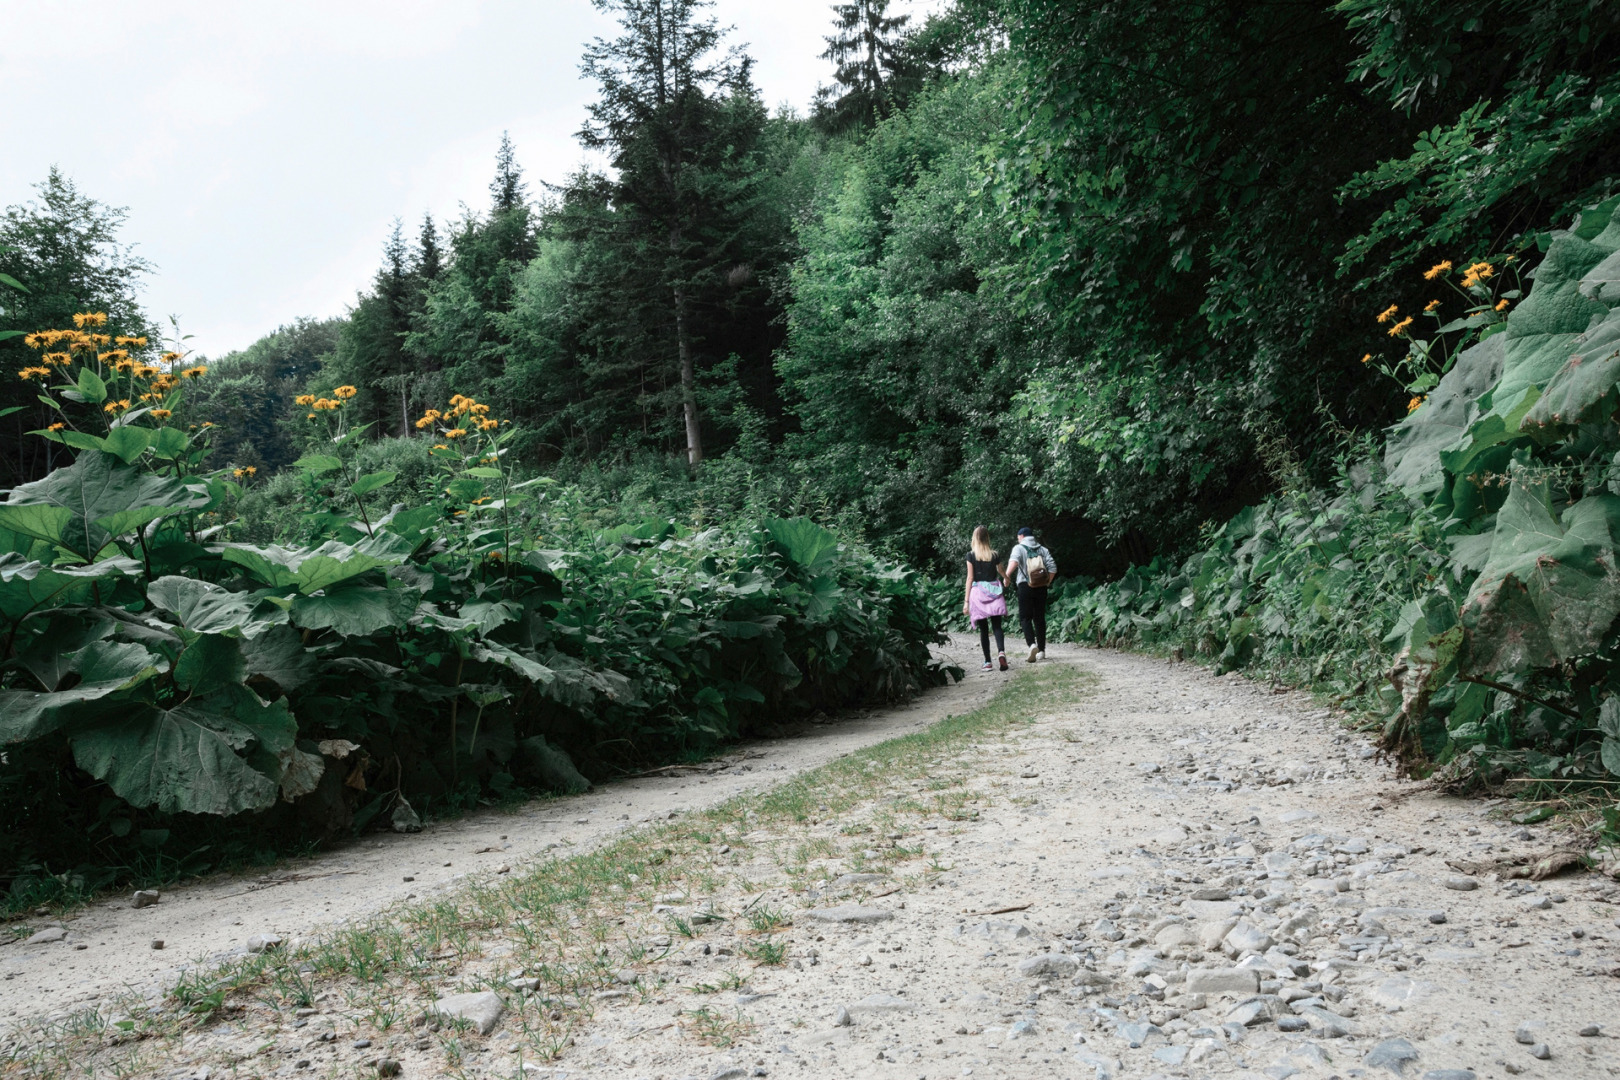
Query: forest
{"x": 1290, "y": 327}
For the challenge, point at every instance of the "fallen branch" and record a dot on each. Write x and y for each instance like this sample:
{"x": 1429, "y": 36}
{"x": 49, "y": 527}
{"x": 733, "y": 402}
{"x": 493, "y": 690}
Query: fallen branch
{"x": 1000, "y": 910}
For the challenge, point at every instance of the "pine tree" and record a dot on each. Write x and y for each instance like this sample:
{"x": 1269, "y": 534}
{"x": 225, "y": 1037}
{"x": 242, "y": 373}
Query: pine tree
{"x": 866, "y": 52}
{"x": 507, "y": 189}
{"x": 429, "y": 256}
{"x": 680, "y": 125}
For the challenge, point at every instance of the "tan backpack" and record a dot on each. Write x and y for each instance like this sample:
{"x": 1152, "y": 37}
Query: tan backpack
{"x": 1040, "y": 576}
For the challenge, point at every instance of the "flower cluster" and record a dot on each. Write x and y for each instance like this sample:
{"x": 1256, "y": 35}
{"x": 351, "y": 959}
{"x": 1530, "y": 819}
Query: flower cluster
{"x": 117, "y": 360}
{"x": 245, "y": 471}
{"x": 326, "y": 404}
{"x": 463, "y": 414}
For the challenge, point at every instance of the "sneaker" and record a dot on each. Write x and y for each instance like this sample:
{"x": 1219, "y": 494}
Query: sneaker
{"x": 1041, "y": 655}
{"x": 988, "y": 666}
{"x": 1003, "y": 663}
{"x": 1032, "y": 654}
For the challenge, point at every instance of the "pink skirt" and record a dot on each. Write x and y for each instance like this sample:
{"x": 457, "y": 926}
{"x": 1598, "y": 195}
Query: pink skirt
{"x": 985, "y": 599}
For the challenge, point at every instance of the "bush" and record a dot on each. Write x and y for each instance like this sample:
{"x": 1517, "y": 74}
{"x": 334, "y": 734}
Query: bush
{"x": 472, "y": 640}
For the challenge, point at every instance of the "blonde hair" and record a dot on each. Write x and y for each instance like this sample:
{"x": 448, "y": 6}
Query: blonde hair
{"x": 981, "y": 545}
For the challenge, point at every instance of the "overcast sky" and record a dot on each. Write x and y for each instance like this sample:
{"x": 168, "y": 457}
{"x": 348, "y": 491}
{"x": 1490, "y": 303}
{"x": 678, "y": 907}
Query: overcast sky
{"x": 263, "y": 149}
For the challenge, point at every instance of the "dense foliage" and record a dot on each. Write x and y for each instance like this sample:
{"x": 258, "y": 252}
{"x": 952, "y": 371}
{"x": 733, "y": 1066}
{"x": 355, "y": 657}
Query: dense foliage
{"x": 1475, "y": 566}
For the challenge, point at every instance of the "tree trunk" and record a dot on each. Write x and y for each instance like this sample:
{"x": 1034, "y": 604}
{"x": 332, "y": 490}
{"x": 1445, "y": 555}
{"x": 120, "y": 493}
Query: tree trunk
{"x": 694, "y": 433}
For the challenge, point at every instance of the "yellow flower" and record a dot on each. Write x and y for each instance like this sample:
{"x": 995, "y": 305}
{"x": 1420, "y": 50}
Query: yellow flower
{"x": 35, "y": 341}
{"x": 1501, "y": 305}
{"x": 162, "y": 414}
{"x": 237, "y": 473}
{"x": 115, "y": 406}
{"x": 304, "y": 399}
{"x": 56, "y": 426}
{"x": 1436, "y": 270}
{"x": 253, "y": 470}
{"x": 90, "y": 318}
{"x": 326, "y": 404}
{"x": 33, "y": 373}
{"x": 1400, "y": 328}
{"x": 455, "y": 433}
{"x": 344, "y": 393}
{"x": 194, "y": 372}
{"x": 311, "y": 416}
{"x": 170, "y": 357}
{"x": 478, "y": 410}
{"x": 487, "y": 425}
{"x": 121, "y": 340}
{"x": 1367, "y": 358}
{"x": 1481, "y": 269}
{"x": 1412, "y": 406}
{"x": 1388, "y": 313}
{"x": 1430, "y": 306}
{"x": 440, "y": 446}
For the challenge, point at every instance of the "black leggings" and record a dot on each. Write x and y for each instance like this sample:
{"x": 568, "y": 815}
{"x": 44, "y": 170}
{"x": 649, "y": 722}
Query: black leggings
{"x": 984, "y": 635}
{"x": 1032, "y": 614}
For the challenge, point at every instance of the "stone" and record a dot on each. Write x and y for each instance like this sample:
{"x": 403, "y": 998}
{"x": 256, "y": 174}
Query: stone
{"x": 846, "y": 880}
{"x": 842, "y": 1018}
{"x": 260, "y": 943}
{"x": 1210, "y": 893}
{"x": 1460, "y": 882}
{"x": 1449, "y": 1074}
{"x": 404, "y": 819}
{"x": 1245, "y": 937}
{"x": 144, "y": 898}
{"x": 1392, "y": 1054}
{"x": 882, "y": 1003}
{"x": 527, "y": 986}
{"x": 1222, "y": 981}
{"x": 1103, "y": 1068}
{"x": 728, "y": 1072}
{"x": 1260, "y": 1009}
{"x": 1537, "y": 903}
{"x": 157, "y": 943}
{"x": 1174, "y": 1056}
{"x": 1590, "y": 1031}
{"x": 1332, "y": 1025}
{"x": 1055, "y": 964}
{"x": 1211, "y": 934}
{"x": 361, "y": 1044}
{"x": 47, "y": 936}
{"x": 1541, "y": 1052}
{"x": 1529, "y": 1032}
{"x": 482, "y": 1009}
{"x": 1212, "y": 910}
{"x": 1175, "y": 936}
{"x": 1293, "y": 1023}
{"x": 1137, "y": 1034}
{"x": 849, "y": 913}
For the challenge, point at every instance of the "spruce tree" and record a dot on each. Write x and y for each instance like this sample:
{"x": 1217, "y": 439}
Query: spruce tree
{"x": 429, "y": 256}
{"x": 680, "y": 124}
{"x": 866, "y": 51}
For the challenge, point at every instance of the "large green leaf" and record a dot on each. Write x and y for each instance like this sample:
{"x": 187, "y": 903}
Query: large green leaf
{"x": 372, "y": 482}
{"x": 102, "y": 667}
{"x": 1555, "y": 305}
{"x": 201, "y": 606}
{"x": 356, "y": 610}
{"x": 186, "y": 758}
{"x": 210, "y": 662}
{"x": 1412, "y": 453}
{"x": 279, "y": 655}
{"x": 1585, "y": 381}
{"x": 27, "y": 586}
{"x": 1549, "y": 590}
{"x": 803, "y": 541}
{"x": 83, "y": 506}
{"x": 312, "y": 569}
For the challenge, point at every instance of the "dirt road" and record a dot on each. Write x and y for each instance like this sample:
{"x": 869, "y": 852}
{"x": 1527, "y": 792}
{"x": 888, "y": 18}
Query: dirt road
{"x": 1167, "y": 875}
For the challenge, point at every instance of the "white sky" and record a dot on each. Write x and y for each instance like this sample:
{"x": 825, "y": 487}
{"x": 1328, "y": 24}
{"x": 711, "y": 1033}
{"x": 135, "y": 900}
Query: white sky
{"x": 264, "y": 147}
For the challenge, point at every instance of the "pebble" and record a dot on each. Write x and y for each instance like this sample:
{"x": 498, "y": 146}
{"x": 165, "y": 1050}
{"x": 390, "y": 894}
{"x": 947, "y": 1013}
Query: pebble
{"x": 842, "y": 1018}
{"x": 1591, "y": 1030}
{"x": 1391, "y": 1054}
{"x": 1529, "y": 1032}
{"x": 260, "y": 943}
{"x": 850, "y": 913}
{"x": 1541, "y": 1051}
{"x": 1460, "y": 883}
{"x": 157, "y": 943}
{"x": 1450, "y": 1074}
{"x": 1538, "y": 903}
{"x": 1223, "y": 981}
{"x": 47, "y": 936}
{"x": 483, "y": 1009}
{"x": 1293, "y": 1023}
{"x": 144, "y": 898}
{"x": 1048, "y": 964}
{"x": 362, "y": 1044}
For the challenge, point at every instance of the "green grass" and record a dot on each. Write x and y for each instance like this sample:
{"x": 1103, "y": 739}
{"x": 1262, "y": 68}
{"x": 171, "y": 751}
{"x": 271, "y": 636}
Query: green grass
{"x": 574, "y": 922}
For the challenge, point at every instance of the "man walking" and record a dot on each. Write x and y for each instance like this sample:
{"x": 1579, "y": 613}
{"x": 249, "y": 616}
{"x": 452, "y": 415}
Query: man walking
{"x": 1032, "y": 568}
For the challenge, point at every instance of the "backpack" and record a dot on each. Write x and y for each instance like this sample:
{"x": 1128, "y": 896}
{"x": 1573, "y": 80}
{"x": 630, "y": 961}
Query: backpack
{"x": 1040, "y": 576}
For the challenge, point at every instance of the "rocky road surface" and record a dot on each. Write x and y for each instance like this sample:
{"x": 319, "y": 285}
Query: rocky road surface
{"x": 1177, "y": 876}
{"x": 1172, "y": 875}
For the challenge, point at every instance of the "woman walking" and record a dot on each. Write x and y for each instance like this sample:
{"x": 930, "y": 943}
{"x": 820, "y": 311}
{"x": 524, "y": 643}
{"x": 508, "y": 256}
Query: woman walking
{"x": 984, "y": 601}
{"x": 1032, "y": 568}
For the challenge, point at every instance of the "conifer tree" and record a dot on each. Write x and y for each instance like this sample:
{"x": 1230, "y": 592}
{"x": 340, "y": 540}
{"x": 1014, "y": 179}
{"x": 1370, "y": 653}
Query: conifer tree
{"x": 866, "y": 53}
{"x": 680, "y": 124}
